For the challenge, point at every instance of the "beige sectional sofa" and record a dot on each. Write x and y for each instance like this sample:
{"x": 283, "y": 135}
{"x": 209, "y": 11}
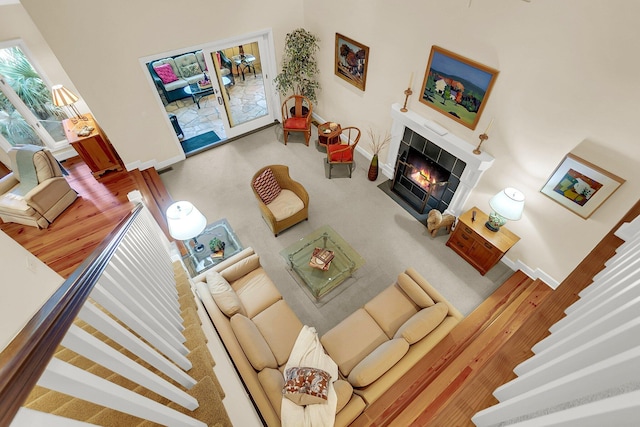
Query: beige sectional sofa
{"x": 373, "y": 347}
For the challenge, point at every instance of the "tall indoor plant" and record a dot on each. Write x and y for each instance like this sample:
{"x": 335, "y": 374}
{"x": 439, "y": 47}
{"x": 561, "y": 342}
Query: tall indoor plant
{"x": 299, "y": 65}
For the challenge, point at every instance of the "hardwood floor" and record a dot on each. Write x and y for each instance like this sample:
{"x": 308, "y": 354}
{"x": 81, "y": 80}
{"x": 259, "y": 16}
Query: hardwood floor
{"x": 100, "y": 206}
{"x": 448, "y": 386}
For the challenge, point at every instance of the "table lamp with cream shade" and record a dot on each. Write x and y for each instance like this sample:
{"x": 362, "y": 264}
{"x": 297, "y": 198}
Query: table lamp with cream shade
{"x": 63, "y": 97}
{"x": 506, "y": 205}
{"x": 186, "y": 222}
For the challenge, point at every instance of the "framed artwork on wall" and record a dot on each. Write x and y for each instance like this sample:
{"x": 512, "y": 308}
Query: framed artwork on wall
{"x": 351, "y": 61}
{"x": 580, "y": 186}
{"x": 456, "y": 86}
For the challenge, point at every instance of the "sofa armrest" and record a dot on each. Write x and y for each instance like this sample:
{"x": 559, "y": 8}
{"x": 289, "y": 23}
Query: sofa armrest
{"x": 46, "y": 194}
{"x": 433, "y": 293}
{"x": 8, "y": 182}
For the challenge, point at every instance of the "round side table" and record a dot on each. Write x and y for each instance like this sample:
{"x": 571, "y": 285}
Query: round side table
{"x": 329, "y": 133}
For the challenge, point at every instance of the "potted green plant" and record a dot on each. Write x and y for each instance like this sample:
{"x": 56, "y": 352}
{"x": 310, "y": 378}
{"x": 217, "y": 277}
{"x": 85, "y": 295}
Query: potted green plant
{"x": 299, "y": 65}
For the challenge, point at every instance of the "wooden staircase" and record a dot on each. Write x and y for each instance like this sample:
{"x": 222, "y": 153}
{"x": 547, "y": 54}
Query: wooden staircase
{"x": 208, "y": 391}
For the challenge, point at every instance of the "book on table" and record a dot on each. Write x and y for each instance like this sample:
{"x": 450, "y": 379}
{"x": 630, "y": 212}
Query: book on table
{"x": 321, "y": 258}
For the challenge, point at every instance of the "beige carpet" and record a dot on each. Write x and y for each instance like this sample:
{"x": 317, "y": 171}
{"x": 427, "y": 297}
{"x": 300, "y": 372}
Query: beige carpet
{"x": 388, "y": 237}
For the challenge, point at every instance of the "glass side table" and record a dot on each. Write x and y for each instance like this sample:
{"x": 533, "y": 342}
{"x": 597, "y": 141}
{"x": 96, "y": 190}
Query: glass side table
{"x": 197, "y": 262}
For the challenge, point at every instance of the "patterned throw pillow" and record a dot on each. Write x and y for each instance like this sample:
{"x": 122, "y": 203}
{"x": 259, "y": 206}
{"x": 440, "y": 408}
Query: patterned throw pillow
{"x": 166, "y": 74}
{"x": 306, "y": 386}
{"x": 267, "y": 187}
{"x": 190, "y": 70}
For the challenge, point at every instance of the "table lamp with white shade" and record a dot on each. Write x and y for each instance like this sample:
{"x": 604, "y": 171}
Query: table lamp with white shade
{"x": 506, "y": 205}
{"x": 186, "y": 222}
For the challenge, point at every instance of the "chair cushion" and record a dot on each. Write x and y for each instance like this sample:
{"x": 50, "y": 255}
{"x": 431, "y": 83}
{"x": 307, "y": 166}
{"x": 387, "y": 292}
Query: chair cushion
{"x": 267, "y": 186}
{"x": 190, "y": 70}
{"x": 253, "y": 343}
{"x": 378, "y": 362}
{"x": 306, "y": 386}
{"x": 352, "y": 340}
{"x": 295, "y": 123}
{"x": 337, "y": 153}
{"x": 166, "y": 74}
{"x": 280, "y": 328}
{"x": 414, "y": 291}
{"x": 390, "y": 309}
{"x": 422, "y": 323}
{"x": 285, "y": 205}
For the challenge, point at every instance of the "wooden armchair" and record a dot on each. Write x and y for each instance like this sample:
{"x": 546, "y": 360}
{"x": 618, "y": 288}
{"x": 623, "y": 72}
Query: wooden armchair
{"x": 343, "y": 153}
{"x": 294, "y": 118}
{"x": 283, "y": 202}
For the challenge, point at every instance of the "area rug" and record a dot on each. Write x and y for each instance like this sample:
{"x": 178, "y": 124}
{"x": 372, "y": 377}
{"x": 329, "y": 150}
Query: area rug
{"x": 201, "y": 141}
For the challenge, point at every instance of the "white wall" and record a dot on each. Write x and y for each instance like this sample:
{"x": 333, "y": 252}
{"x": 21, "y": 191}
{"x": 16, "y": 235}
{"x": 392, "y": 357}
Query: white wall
{"x": 567, "y": 82}
{"x": 24, "y": 289}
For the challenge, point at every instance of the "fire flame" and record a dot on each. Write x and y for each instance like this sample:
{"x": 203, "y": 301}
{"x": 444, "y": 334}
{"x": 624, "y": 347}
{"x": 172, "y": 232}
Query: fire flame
{"x": 423, "y": 178}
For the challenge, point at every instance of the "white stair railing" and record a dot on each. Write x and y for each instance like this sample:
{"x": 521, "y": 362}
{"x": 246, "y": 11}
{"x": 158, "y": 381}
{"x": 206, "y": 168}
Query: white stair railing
{"x": 134, "y": 302}
{"x": 587, "y": 372}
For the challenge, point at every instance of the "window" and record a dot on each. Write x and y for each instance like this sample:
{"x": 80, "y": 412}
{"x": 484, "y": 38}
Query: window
{"x": 27, "y": 113}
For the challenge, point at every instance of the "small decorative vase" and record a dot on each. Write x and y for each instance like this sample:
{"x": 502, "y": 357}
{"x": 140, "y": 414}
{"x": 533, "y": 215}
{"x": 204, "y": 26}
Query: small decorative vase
{"x": 373, "y": 168}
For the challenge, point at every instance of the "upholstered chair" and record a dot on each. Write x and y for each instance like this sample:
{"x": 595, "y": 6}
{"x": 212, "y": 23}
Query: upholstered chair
{"x": 343, "y": 153}
{"x": 283, "y": 202}
{"x": 35, "y": 192}
{"x": 296, "y": 116}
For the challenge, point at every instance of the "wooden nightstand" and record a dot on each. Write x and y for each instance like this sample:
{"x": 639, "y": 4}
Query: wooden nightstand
{"x": 95, "y": 148}
{"x": 479, "y": 246}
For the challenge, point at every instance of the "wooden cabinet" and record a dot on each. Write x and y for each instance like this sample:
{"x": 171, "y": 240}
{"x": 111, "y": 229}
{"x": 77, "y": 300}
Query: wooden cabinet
{"x": 479, "y": 246}
{"x": 95, "y": 148}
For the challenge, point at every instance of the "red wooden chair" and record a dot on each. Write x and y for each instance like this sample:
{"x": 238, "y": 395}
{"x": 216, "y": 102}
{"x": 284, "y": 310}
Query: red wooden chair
{"x": 342, "y": 153}
{"x": 295, "y": 118}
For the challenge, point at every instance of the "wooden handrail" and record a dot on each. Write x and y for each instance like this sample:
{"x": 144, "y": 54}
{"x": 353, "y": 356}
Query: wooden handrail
{"x": 24, "y": 360}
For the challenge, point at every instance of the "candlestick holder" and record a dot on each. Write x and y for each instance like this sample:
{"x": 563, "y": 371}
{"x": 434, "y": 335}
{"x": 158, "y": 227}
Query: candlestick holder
{"x": 483, "y": 137}
{"x": 407, "y": 93}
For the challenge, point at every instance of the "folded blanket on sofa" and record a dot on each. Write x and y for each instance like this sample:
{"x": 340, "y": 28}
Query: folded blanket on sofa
{"x": 308, "y": 353}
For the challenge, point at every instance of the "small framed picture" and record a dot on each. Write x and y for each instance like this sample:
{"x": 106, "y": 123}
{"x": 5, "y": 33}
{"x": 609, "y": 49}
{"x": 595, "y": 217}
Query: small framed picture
{"x": 580, "y": 186}
{"x": 456, "y": 86}
{"x": 351, "y": 61}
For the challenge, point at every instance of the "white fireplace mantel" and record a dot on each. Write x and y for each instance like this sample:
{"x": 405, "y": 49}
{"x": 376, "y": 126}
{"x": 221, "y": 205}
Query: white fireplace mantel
{"x": 476, "y": 163}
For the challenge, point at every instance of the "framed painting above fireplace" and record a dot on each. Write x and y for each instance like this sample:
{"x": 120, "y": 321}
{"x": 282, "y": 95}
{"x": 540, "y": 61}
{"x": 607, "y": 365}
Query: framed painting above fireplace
{"x": 456, "y": 86}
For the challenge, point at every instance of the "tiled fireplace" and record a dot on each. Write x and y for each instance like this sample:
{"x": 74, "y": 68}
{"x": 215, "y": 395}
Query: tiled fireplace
{"x": 431, "y": 168}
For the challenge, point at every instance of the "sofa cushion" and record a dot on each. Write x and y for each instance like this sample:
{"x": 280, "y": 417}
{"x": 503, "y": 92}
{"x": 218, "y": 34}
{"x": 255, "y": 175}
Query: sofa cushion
{"x": 285, "y": 205}
{"x": 422, "y": 323}
{"x": 267, "y": 186}
{"x": 225, "y": 297}
{"x": 306, "y": 386}
{"x": 414, "y": 291}
{"x": 256, "y": 292}
{"x": 344, "y": 391}
{"x": 378, "y": 362}
{"x": 190, "y": 70}
{"x": 165, "y": 72}
{"x": 280, "y": 328}
{"x": 241, "y": 268}
{"x": 272, "y": 382}
{"x": 352, "y": 340}
{"x": 253, "y": 343}
{"x": 390, "y": 309}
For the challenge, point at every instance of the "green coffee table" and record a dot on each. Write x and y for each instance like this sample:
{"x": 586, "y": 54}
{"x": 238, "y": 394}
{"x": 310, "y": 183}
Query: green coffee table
{"x": 346, "y": 260}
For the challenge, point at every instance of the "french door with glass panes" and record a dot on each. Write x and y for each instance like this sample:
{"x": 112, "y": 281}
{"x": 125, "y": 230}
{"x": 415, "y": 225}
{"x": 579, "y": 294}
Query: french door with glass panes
{"x": 27, "y": 113}
{"x": 244, "y": 93}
